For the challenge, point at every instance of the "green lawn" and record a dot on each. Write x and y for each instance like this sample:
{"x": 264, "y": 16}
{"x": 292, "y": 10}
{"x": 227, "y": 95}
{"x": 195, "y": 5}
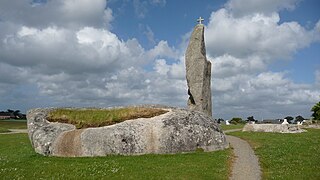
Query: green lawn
{"x": 286, "y": 156}
{"x": 5, "y": 125}
{"x": 3, "y": 130}
{"x": 19, "y": 161}
{"x": 282, "y": 156}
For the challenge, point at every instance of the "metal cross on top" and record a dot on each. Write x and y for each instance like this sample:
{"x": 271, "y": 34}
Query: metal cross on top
{"x": 200, "y": 20}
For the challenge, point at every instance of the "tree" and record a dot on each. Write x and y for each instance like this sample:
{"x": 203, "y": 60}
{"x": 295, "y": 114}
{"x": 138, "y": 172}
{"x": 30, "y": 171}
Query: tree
{"x": 219, "y": 120}
{"x": 316, "y": 111}
{"x": 299, "y": 118}
{"x": 289, "y": 118}
{"x": 236, "y": 120}
{"x": 17, "y": 114}
{"x": 251, "y": 118}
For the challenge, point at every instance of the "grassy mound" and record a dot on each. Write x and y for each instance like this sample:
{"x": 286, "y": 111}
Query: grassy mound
{"x": 83, "y": 118}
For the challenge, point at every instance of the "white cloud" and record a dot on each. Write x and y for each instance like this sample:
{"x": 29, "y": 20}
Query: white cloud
{"x": 161, "y": 67}
{"x": 162, "y": 49}
{"x": 65, "y": 57}
{"x": 62, "y": 13}
{"x": 269, "y": 79}
{"x": 257, "y": 34}
{"x": 175, "y": 71}
{"x": 89, "y": 49}
{"x": 245, "y": 7}
{"x": 268, "y": 95}
{"x": 228, "y": 65}
{"x": 242, "y": 42}
{"x": 86, "y": 66}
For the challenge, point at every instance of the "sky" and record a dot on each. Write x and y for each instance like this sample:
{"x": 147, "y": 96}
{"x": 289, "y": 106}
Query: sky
{"x": 104, "y": 53}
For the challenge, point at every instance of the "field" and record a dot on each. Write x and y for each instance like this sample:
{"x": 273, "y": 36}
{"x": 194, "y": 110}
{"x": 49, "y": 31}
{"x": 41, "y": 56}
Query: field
{"x": 5, "y": 125}
{"x": 282, "y": 156}
{"x": 19, "y": 161}
{"x": 286, "y": 156}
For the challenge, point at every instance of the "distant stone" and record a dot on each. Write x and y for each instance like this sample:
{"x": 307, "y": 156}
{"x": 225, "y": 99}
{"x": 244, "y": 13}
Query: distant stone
{"x": 275, "y": 128}
{"x": 198, "y": 73}
{"x": 179, "y": 130}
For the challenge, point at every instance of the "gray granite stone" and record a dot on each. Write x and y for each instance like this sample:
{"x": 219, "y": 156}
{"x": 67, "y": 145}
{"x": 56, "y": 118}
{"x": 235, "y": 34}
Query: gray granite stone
{"x": 43, "y": 133}
{"x": 275, "y": 128}
{"x": 178, "y": 130}
{"x": 198, "y": 73}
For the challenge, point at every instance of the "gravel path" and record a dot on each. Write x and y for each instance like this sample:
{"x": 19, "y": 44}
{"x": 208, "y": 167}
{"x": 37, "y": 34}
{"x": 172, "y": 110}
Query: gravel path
{"x": 16, "y": 131}
{"x": 246, "y": 165}
{"x": 232, "y": 130}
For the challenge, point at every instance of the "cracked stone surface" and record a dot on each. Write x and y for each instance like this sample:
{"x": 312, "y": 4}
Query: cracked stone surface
{"x": 198, "y": 73}
{"x": 179, "y": 130}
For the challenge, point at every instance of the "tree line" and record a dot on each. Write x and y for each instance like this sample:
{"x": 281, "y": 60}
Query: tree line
{"x": 12, "y": 114}
{"x": 315, "y": 117}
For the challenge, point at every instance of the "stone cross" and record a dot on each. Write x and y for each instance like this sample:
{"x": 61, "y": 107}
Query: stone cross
{"x": 200, "y": 19}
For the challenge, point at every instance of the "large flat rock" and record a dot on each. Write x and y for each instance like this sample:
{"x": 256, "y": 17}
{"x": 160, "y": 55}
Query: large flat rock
{"x": 178, "y": 130}
{"x": 275, "y": 128}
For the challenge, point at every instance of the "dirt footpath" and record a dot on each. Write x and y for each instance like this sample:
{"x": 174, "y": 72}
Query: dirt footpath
{"x": 246, "y": 165}
{"x": 16, "y": 131}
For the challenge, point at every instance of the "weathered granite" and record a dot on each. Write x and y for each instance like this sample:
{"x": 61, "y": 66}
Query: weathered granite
{"x": 43, "y": 133}
{"x": 179, "y": 130}
{"x": 275, "y": 128}
{"x": 198, "y": 73}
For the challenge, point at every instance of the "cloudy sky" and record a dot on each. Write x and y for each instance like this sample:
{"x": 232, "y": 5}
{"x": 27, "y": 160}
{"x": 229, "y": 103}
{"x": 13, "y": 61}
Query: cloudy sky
{"x": 264, "y": 53}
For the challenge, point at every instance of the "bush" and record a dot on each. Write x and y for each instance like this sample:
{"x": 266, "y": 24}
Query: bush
{"x": 237, "y": 120}
{"x": 316, "y": 111}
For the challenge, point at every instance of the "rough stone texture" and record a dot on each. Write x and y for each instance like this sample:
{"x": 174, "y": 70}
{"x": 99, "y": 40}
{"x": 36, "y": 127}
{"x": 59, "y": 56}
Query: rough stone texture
{"x": 43, "y": 133}
{"x": 179, "y": 130}
{"x": 278, "y": 128}
{"x": 198, "y": 72}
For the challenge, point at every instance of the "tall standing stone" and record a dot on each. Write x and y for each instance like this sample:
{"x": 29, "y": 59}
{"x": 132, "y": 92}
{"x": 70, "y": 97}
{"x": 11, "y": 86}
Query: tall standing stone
{"x": 198, "y": 72}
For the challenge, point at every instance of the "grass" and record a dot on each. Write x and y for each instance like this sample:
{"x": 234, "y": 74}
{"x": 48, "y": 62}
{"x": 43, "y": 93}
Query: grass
{"x": 286, "y": 156}
{"x": 13, "y": 125}
{"x": 3, "y": 130}
{"x": 6, "y": 125}
{"x": 232, "y": 126}
{"x": 83, "y": 118}
{"x": 19, "y": 161}
{"x": 282, "y": 156}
